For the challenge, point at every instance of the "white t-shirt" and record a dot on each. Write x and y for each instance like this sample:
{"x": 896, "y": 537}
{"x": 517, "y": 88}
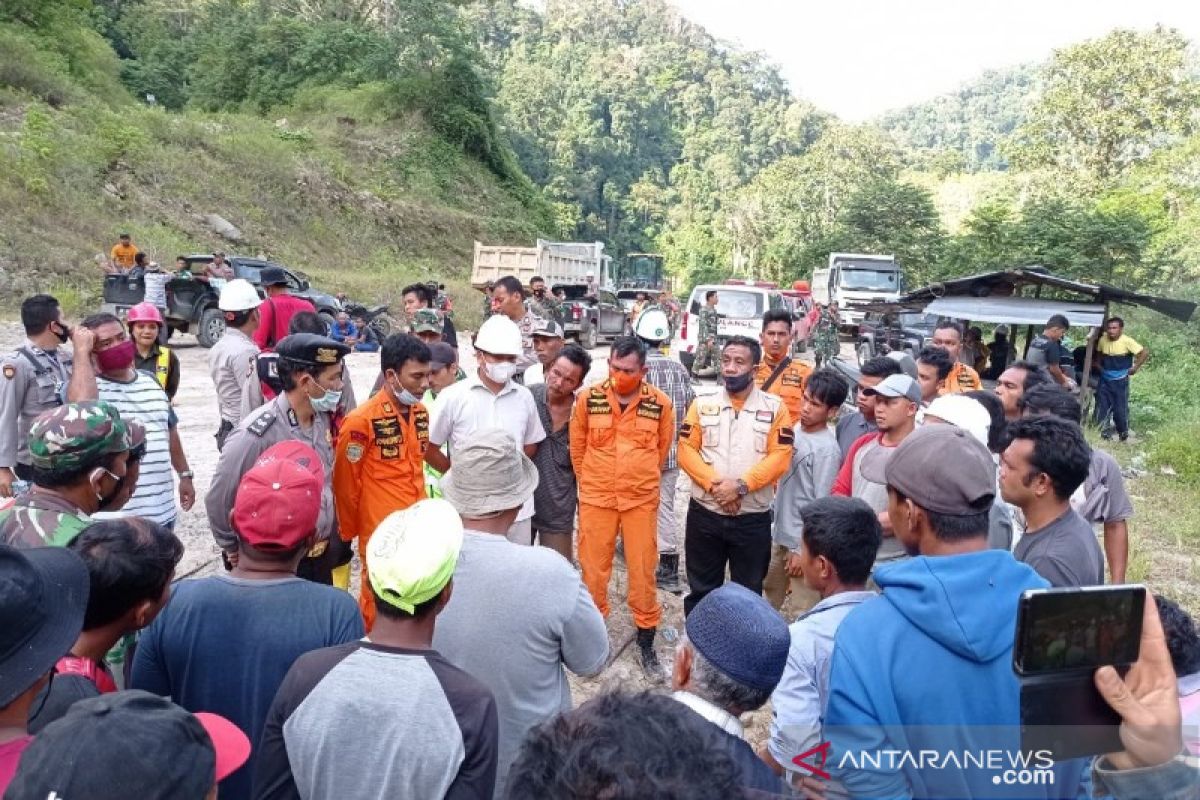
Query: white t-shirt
{"x": 156, "y": 288}
{"x": 469, "y": 406}
{"x": 144, "y": 400}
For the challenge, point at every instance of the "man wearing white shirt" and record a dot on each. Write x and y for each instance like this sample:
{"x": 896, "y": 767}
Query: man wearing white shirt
{"x": 489, "y": 399}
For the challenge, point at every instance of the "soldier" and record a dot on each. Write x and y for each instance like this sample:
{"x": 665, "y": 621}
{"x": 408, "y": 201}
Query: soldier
{"x": 418, "y": 296}
{"x": 34, "y": 375}
{"x": 777, "y": 373}
{"x": 427, "y": 326}
{"x": 310, "y": 372}
{"x": 541, "y": 302}
{"x": 380, "y": 455}
{"x": 825, "y": 344}
{"x": 487, "y": 300}
{"x": 706, "y": 339}
{"x": 84, "y": 459}
{"x": 232, "y": 358}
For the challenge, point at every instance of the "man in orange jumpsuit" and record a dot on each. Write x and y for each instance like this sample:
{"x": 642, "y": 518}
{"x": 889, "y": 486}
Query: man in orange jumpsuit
{"x": 778, "y": 373}
{"x": 378, "y": 466}
{"x": 621, "y": 433}
{"x": 949, "y": 336}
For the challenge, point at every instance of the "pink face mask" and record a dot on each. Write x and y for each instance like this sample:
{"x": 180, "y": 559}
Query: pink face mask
{"x": 116, "y": 358}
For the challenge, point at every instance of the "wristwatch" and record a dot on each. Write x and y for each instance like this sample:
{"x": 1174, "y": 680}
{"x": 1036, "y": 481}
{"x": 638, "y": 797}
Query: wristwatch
{"x": 187, "y": 473}
{"x": 743, "y": 489}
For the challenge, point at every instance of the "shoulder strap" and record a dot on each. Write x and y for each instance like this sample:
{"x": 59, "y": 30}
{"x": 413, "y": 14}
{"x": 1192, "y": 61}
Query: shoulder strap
{"x": 774, "y": 376}
{"x": 261, "y": 425}
{"x": 39, "y": 369}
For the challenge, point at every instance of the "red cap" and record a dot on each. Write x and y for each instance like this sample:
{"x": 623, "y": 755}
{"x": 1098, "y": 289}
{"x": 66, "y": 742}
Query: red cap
{"x": 279, "y": 498}
{"x": 231, "y": 745}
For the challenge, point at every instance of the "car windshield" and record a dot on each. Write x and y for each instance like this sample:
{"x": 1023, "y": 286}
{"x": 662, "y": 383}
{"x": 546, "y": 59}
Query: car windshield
{"x": 915, "y": 319}
{"x": 572, "y": 291}
{"x": 870, "y": 280}
{"x": 739, "y": 304}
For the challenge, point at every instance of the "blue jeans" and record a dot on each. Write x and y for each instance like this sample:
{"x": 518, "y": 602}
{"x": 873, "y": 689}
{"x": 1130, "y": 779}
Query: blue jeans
{"x": 1112, "y": 397}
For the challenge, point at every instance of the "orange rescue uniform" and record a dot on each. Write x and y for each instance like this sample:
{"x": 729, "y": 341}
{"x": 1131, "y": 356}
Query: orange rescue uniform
{"x": 378, "y": 468}
{"x": 618, "y": 456}
{"x": 962, "y": 378}
{"x": 788, "y": 386}
{"x": 765, "y": 473}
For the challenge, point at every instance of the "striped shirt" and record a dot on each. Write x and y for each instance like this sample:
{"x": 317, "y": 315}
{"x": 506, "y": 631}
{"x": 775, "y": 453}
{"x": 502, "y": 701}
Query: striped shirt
{"x": 673, "y": 380}
{"x": 144, "y": 400}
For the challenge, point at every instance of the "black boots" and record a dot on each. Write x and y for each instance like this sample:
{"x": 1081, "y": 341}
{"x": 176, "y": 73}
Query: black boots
{"x": 650, "y": 663}
{"x": 667, "y": 574}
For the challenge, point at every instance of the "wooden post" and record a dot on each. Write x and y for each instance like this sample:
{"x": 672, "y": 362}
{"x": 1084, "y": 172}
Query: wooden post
{"x": 1029, "y": 328}
{"x": 1085, "y": 383}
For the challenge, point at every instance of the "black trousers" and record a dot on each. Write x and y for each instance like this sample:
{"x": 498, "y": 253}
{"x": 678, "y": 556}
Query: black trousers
{"x": 713, "y": 541}
{"x": 1112, "y": 397}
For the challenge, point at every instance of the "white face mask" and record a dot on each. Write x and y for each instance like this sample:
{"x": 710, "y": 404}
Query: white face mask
{"x": 500, "y": 372}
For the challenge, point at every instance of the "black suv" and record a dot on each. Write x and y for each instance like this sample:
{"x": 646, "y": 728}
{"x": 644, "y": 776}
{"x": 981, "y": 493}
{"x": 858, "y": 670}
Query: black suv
{"x": 881, "y": 333}
{"x": 192, "y": 303}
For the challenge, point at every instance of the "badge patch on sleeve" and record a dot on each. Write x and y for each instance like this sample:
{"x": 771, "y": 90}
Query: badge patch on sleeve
{"x": 354, "y": 453}
{"x": 685, "y": 430}
{"x": 9, "y": 371}
{"x": 787, "y": 436}
{"x": 358, "y": 437}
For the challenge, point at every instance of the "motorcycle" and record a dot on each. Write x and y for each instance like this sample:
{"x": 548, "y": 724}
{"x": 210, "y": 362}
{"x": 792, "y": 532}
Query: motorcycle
{"x": 376, "y": 317}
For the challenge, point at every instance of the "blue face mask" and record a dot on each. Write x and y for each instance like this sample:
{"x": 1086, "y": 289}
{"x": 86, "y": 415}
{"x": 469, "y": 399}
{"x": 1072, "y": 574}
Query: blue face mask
{"x": 404, "y": 396}
{"x": 327, "y": 402}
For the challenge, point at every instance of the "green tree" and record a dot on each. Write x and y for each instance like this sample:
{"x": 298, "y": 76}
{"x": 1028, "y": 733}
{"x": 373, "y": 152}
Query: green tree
{"x": 1108, "y": 102}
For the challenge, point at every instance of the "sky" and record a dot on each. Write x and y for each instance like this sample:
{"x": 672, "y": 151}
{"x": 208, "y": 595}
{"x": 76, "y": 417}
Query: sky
{"x": 859, "y": 58}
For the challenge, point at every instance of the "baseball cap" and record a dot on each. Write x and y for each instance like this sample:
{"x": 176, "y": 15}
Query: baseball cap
{"x": 43, "y": 595}
{"x": 411, "y": 555}
{"x": 739, "y": 633}
{"x": 73, "y": 435}
{"x": 548, "y": 328}
{"x": 441, "y": 355}
{"x": 272, "y": 276}
{"x": 426, "y": 320}
{"x": 129, "y": 744}
{"x": 279, "y": 498}
{"x": 899, "y": 386}
{"x": 944, "y": 469}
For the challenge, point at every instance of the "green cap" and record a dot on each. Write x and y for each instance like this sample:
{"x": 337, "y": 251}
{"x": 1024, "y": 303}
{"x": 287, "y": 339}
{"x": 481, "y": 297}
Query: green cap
{"x": 76, "y": 434}
{"x": 426, "y": 320}
{"x": 411, "y": 555}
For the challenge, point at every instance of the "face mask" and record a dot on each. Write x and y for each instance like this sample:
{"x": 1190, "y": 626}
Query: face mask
{"x": 327, "y": 402}
{"x": 500, "y": 372}
{"x": 624, "y": 383}
{"x": 116, "y": 358}
{"x": 735, "y": 384}
{"x": 63, "y": 333}
{"x": 539, "y": 292}
{"x": 404, "y": 396}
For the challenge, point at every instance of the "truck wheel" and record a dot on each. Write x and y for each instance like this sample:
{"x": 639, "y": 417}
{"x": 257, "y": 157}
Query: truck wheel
{"x": 211, "y": 327}
{"x": 864, "y": 352}
{"x": 588, "y": 337}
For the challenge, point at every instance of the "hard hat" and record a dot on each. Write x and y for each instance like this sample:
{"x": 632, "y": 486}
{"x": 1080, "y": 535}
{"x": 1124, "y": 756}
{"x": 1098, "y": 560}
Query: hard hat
{"x": 652, "y": 325}
{"x": 238, "y": 295}
{"x": 800, "y": 286}
{"x": 144, "y": 312}
{"x": 499, "y": 336}
{"x": 591, "y": 274}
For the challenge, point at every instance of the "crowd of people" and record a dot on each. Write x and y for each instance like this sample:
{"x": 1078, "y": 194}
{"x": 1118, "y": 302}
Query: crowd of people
{"x": 859, "y": 570}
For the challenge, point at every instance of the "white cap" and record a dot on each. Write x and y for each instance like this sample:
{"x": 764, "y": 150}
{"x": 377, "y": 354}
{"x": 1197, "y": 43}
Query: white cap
{"x": 591, "y": 274}
{"x": 652, "y": 325}
{"x": 499, "y": 336}
{"x": 238, "y": 295}
{"x": 962, "y": 412}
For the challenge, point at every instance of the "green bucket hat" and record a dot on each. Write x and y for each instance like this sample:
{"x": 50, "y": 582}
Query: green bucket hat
{"x": 77, "y": 434}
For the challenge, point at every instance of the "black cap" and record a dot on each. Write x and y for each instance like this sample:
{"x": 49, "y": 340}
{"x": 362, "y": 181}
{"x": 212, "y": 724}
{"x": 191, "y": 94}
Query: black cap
{"x": 311, "y": 349}
{"x": 129, "y": 744}
{"x": 43, "y": 595}
{"x": 272, "y": 276}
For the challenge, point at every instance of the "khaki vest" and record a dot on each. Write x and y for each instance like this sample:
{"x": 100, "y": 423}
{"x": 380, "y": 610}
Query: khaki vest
{"x": 735, "y": 442}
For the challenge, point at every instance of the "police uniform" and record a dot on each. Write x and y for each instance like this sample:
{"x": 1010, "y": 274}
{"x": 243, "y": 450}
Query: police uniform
{"x": 788, "y": 384}
{"x": 270, "y": 424}
{"x": 706, "y": 349}
{"x": 751, "y": 442}
{"x": 378, "y": 469}
{"x": 263, "y": 384}
{"x": 32, "y": 382}
{"x": 230, "y": 361}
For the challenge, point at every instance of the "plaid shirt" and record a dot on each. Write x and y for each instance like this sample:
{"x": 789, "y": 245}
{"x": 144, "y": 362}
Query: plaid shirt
{"x": 672, "y": 378}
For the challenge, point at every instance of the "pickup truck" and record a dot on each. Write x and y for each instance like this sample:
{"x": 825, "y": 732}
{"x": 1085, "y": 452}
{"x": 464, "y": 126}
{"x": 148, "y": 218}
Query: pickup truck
{"x": 590, "y": 319}
{"x": 192, "y": 303}
{"x": 906, "y": 331}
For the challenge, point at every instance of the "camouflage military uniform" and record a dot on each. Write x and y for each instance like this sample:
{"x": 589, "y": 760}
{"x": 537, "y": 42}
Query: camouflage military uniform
{"x": 705, "y": 364}
{"x": 545, "y": 307}
{"x": 426, "y": 320}
{"x": 487, "y": 306}
{"x": 68, "y": 437}
{"x": 825, "y": 342}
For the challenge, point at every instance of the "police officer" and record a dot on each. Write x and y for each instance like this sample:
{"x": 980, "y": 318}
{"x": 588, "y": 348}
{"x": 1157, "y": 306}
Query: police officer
{"x": 706, "y": 338}
{"x": 262, "y": 384}
{"x": 232, "y": 358}
{"x": 33, "y": 378}
{"x": 310, "y": 371}
{"x": 777, "y": 373}
{"x": 380, "y": 455}
{"x": 734, "y": 446}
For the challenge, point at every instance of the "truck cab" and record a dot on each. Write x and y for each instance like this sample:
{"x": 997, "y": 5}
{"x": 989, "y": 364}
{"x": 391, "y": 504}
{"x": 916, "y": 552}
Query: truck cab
{"x": 851, "y": 278}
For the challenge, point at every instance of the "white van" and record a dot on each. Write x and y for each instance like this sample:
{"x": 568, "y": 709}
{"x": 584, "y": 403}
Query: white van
{"x": 741, "y": 306}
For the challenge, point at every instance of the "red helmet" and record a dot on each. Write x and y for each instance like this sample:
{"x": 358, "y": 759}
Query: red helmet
{"x": 144, "y": 312}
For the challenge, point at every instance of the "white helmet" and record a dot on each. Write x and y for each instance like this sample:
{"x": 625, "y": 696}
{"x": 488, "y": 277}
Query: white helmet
{"x": 238, "y": 295}
{"x": 652, "y": 325}
{"x": 499, "y": 336}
